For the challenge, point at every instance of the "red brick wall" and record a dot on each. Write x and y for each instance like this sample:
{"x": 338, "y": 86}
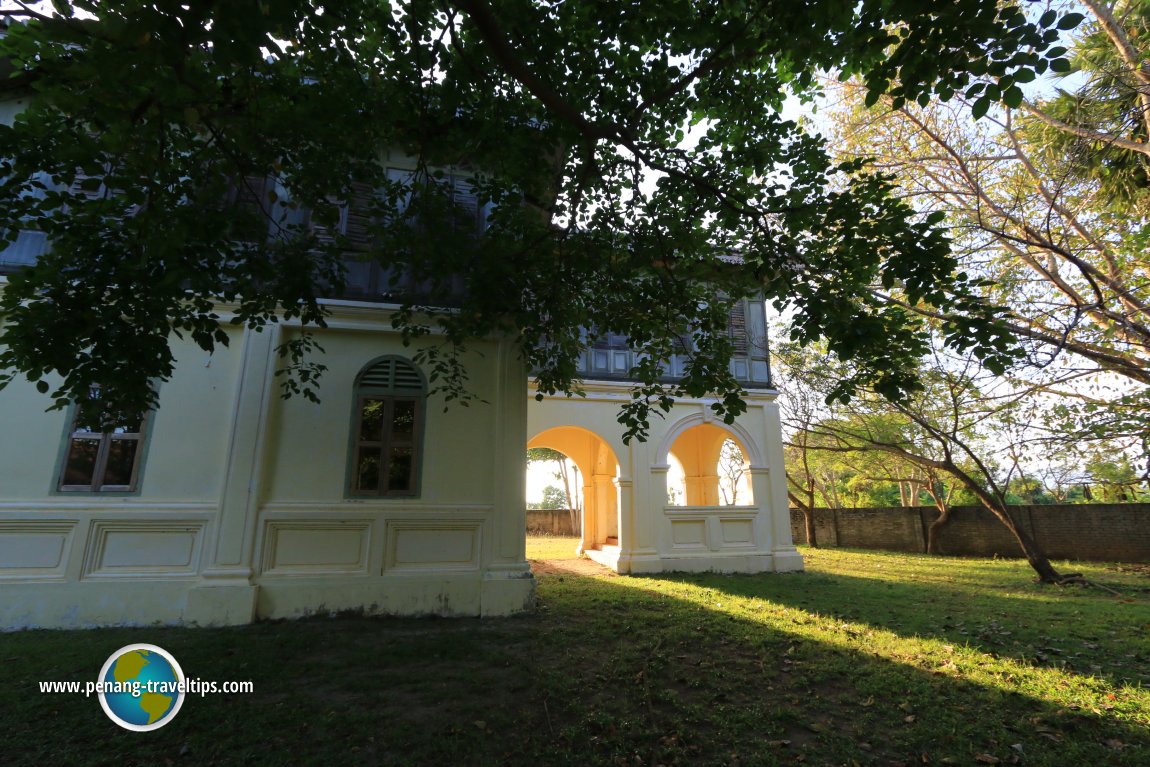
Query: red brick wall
{"x": 1094, "y": 532}
{"x": 549, "y": 522}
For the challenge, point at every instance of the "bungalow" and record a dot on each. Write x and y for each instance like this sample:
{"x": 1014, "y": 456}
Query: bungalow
{"x": 228, "y": 504}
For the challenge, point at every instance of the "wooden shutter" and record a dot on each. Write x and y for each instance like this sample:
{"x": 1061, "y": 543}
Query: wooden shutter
{"x": 737, "y": 327}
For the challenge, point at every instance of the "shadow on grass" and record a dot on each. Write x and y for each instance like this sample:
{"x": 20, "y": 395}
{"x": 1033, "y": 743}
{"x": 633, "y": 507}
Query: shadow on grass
{"x": 609, "y": 671}
{"x": 1077, "y": 630}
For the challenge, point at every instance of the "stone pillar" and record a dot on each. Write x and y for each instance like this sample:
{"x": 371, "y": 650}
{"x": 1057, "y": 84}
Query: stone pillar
{"x": 773, "y": 496}
{"x": 606, "y": 507}
{"x": 710, "y": 483}
{"x": 226, "y": 595}
{"x": 508, "y": 441}
{"x": 626, "y": 514}
{"x": 696, "y": 490}
{"x": 508, "y": 586}
{"x": 590, "y": 537}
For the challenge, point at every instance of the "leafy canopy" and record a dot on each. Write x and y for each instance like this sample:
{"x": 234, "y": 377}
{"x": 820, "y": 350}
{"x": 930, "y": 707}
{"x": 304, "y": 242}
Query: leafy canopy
{"x": 633, "y": 157}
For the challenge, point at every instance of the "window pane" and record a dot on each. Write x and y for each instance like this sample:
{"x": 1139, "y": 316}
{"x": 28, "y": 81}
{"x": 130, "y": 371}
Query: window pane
{"x": 371, "y": 420}
{"x": 367, "y": 469}
{"x": 119, "y": 423}
{"x": 90, "y": 424}
{"x": 399, "y": 469}
{"x": 403, "y": 421}
{"x": 126, "y": 424}
{"x": 121, "y": 459}
{"x": 81, "y": 461}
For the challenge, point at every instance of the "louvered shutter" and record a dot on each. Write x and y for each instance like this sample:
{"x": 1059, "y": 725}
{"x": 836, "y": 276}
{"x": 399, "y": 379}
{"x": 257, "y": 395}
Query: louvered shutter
{"x": 393, "y": 375}
{"x": 466, "y": 202}
{"x": 737, "y": 327}
{"x": 326, "y": 235}
{"x": 83, "y": 185}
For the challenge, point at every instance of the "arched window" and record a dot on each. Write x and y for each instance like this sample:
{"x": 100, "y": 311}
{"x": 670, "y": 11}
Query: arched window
{"x": 387, "y": 429}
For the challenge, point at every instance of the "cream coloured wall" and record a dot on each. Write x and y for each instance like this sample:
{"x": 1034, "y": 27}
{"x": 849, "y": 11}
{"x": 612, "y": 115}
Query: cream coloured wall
{"x": 242, "y": 511}
{"x": 309, "y": 457}
{"x": 30, "y": 440}
{"x": 188, "y": 434}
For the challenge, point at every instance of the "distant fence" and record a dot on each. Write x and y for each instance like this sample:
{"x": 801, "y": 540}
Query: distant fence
{"x": 549, "y": 522}
{"x": 1118, "y": 532}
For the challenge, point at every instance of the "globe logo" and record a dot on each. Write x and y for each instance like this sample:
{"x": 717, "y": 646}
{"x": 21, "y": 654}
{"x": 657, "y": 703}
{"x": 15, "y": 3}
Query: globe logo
{"x": 141, "y": 687}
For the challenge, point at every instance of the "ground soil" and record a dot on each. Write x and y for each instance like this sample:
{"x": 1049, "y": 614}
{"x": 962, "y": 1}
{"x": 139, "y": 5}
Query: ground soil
{"x": 583, "y": 567}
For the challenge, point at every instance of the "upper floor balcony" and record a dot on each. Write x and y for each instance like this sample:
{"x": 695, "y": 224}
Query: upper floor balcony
{"x": 611, "y": 359}
{"x": 607, "y": 359}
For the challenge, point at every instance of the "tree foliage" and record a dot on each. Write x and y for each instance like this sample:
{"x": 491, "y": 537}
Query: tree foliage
{"x": 964, "y": 426}
{"x": 1046, "y": 199}
{"x": 625, "y": 152}
{"x": 732, "y": 469}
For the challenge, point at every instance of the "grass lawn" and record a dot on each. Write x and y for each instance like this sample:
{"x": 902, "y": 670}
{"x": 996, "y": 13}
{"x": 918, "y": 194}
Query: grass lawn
{"x": 868, "y": 658}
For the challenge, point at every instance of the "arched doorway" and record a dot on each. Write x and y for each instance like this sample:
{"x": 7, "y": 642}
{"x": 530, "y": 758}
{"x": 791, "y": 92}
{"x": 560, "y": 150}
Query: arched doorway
{"x": 599, "y": 469}
{"x": 715, "y": 466}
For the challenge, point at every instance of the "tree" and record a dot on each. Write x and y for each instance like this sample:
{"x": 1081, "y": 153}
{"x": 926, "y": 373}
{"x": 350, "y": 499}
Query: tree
{"x": 732, "y": 468}
{"x": 1046, "y": 196}
{"x": 1113, "y": 476}
{"x": 570, "y": 501}
{"x": 554, "y": 498}
{"x": 184, "y": 156}
{"x": 955, "y": 427}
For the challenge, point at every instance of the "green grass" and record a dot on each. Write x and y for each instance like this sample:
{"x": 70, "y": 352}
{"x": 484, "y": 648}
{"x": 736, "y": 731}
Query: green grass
{"x": 868, "y": 658}
{"x": 551, "y": 547}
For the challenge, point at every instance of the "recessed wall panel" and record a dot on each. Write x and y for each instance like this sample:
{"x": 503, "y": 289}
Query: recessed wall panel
{"x": 142, "y": 549}
{"x": 689, "y": 533}
{"x": 738, "y": 532}
{"x": 446, "y": 546}
{"x": 34, "y": 549}
{"x": 316, "y": 548}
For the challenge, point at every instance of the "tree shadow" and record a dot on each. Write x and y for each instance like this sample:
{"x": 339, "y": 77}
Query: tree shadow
{"x": 1034, "y": 625}
{"x": 686, "y": 670}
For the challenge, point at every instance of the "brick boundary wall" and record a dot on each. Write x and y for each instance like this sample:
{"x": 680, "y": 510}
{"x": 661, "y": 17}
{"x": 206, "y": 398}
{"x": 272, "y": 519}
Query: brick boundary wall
{"x": 549, "y": 522}
{"x": 1114, "y": 532}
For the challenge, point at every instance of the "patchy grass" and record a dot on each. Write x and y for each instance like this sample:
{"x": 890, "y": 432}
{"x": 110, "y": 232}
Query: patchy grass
{"x": 551, "y": 547}
{"x": 868, "y": 658}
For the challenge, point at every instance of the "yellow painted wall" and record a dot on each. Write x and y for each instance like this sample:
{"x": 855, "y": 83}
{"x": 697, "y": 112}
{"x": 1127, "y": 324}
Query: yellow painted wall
{"x": 310, "y": 454}
{"x": 242, "y": 510}
{"x": 187, "y": 448}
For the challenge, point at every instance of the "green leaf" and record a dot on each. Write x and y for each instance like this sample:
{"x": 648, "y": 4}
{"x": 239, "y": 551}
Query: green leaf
{"x": 1070, "y": 21}
{"x": 980, "y": 107}
{"x": 1012, "y": 97}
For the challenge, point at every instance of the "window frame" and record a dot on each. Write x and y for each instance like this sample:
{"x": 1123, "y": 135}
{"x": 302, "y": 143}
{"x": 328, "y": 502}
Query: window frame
{"x": 73, "y": 433}
{"x": 390, "y": 396}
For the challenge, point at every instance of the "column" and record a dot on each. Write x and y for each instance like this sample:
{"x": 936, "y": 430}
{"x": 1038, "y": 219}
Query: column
{"x": 770, "y": 488}
{"x": 226, "y": 595}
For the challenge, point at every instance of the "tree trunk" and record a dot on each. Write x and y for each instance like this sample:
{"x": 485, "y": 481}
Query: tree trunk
{"x": 1034, "y": 555}
{"x": 809, "y": 515}
{"x": 935, "y": 526}
{"x": 1030, "y": 549}
{"x": 571, "y": 512}
{"x": 808, "y": 519}
{"x": 809, "y": 526}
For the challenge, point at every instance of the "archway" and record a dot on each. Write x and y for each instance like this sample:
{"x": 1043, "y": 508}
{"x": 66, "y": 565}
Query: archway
{"x": 599, "y": 469}
{"x": 715, "y": 466}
